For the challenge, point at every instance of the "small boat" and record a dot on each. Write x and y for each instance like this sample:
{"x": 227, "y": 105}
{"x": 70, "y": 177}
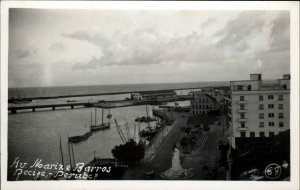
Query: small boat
{"x": 151, "y": 131}
{"x": 101, "y": 126}
{"x": 109, "y": 116}
{"x": 145, "y": 119}
{"x": 79, "y": 138}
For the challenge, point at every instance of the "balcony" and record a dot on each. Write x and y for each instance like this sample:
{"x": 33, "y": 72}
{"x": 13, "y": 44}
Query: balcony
{"x": 242, "y": 111}
{"x": 242, "y": 128}
{"x": 242, "y": 101}
{"x": 242, "y": 119}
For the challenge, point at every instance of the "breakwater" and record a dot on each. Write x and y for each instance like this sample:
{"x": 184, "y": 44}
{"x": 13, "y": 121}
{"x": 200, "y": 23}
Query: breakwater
{"x": 100, "y": 104}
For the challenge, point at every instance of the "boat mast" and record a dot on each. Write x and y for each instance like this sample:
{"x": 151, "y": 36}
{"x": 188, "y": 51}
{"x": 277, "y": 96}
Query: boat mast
{"x": 61, "y": 152}
{"x": 147, "y": 118}
{"x": 95, "y": 116}
{"x": 109, "y": 116}
{"x": 102, "y": 116}
{"x": 120, "y": 132}
{"x": 73, "y": 154}
{"x": 91, "y": 118}
{"x": 70, "y": 154}
{"x": 134, "y": 138}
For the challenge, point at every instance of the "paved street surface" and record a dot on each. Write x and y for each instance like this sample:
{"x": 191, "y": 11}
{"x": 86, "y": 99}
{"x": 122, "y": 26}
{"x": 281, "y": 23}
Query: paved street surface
{"x": 209, "y": 155}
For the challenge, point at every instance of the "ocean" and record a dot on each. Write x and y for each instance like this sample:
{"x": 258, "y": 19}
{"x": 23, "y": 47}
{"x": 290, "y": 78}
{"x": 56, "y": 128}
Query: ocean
{"x": 73, "y": 90}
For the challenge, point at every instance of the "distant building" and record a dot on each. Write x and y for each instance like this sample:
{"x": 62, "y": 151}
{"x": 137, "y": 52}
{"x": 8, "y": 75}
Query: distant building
{"x": 258, "y": 109}
{"x": 218, "y": 94}
{"x": 202, "y": 104}
{"x": 152, "y": 95}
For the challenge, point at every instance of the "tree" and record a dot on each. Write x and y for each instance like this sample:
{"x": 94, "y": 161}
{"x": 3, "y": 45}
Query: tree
{"x": 130, "y": 153}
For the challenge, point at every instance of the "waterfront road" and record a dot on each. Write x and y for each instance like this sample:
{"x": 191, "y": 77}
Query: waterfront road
{"x": 163, "y": 158}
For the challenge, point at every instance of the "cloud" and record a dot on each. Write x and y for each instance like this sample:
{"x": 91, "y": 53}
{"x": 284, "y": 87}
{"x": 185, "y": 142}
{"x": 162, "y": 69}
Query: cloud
{"x": 280, "y": 33}
{"x": 24, "y": 53}
{"x": 208, "y": 22}
{"x": 244, "y": 40}
{"x": 236, "y": 32}
{"x": 57, "y": 47}
{"x": 150, "y": 46}
{"x": 94, "y": 36}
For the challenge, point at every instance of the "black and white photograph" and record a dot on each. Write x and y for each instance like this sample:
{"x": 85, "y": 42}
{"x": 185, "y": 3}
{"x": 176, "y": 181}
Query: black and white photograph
{"x": 150, "y": 94}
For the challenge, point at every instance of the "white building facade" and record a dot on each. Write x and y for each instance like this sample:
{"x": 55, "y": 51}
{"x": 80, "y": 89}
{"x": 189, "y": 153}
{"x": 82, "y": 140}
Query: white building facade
{"x": 259, "y": 108}
{"x": 202, "y": 104}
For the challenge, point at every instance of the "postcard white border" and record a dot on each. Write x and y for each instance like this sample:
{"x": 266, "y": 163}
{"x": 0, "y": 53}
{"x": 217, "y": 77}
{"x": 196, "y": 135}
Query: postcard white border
{"x": 293, "y": 7}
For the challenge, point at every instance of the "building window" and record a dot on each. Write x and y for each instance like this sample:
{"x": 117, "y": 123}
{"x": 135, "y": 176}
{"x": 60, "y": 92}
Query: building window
{"x": 261, "y": 98}
{"x": 242, "y": 107}
{"x": 270, "y": 106}
{"x": 239, "y": 87}
{"x": 243, "y": 134}
{"x": 270, "y": 97}
{"x": 271, "y": 114}
{"x": 280, "y": 115}
{"x": 261, "y": 115}
{"x": 252, "y": 134}
{"x": 242, "y": 98}
{"x": 242, "y": 116}
{"x": 271, "y": 124}
{"x": 243, "y": 124}
{"x": 280, "y": 97}
{"x": 271, "y": 134}
{"x": 280, "y": 106}
{"x": 261, "y": 124}
{"x": 261, "y": 106}
{"x": 281, "y": 124}
{"x": 261, "y": 134}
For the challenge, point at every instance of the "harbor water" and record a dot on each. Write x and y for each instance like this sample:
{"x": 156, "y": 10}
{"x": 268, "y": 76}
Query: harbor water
{"x": 36, "y": 135}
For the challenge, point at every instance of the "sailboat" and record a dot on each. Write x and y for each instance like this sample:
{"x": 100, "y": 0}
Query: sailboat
{"x": 101, "y": 126}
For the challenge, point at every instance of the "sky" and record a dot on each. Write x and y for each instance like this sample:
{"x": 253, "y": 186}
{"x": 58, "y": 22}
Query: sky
{"x": 49, "y": 47}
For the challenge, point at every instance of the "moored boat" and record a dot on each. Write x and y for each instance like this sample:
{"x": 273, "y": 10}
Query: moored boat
{"x": 79, "y": 138}
{"x": 101, "y": 126}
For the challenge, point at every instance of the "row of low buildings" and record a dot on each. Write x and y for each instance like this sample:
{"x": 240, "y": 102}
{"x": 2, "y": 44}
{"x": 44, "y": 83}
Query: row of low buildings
{"x": 256, "y": 108}
{"x": 153, "y": 95}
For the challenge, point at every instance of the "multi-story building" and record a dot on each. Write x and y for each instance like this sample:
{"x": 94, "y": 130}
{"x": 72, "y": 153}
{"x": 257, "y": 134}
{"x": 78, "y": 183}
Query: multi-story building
{"x": 202, "y": 104}
{"x": 258, "y": 108}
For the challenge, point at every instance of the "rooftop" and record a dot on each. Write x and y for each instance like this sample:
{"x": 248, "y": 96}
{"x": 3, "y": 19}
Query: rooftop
{"x": 157, "y": 92}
